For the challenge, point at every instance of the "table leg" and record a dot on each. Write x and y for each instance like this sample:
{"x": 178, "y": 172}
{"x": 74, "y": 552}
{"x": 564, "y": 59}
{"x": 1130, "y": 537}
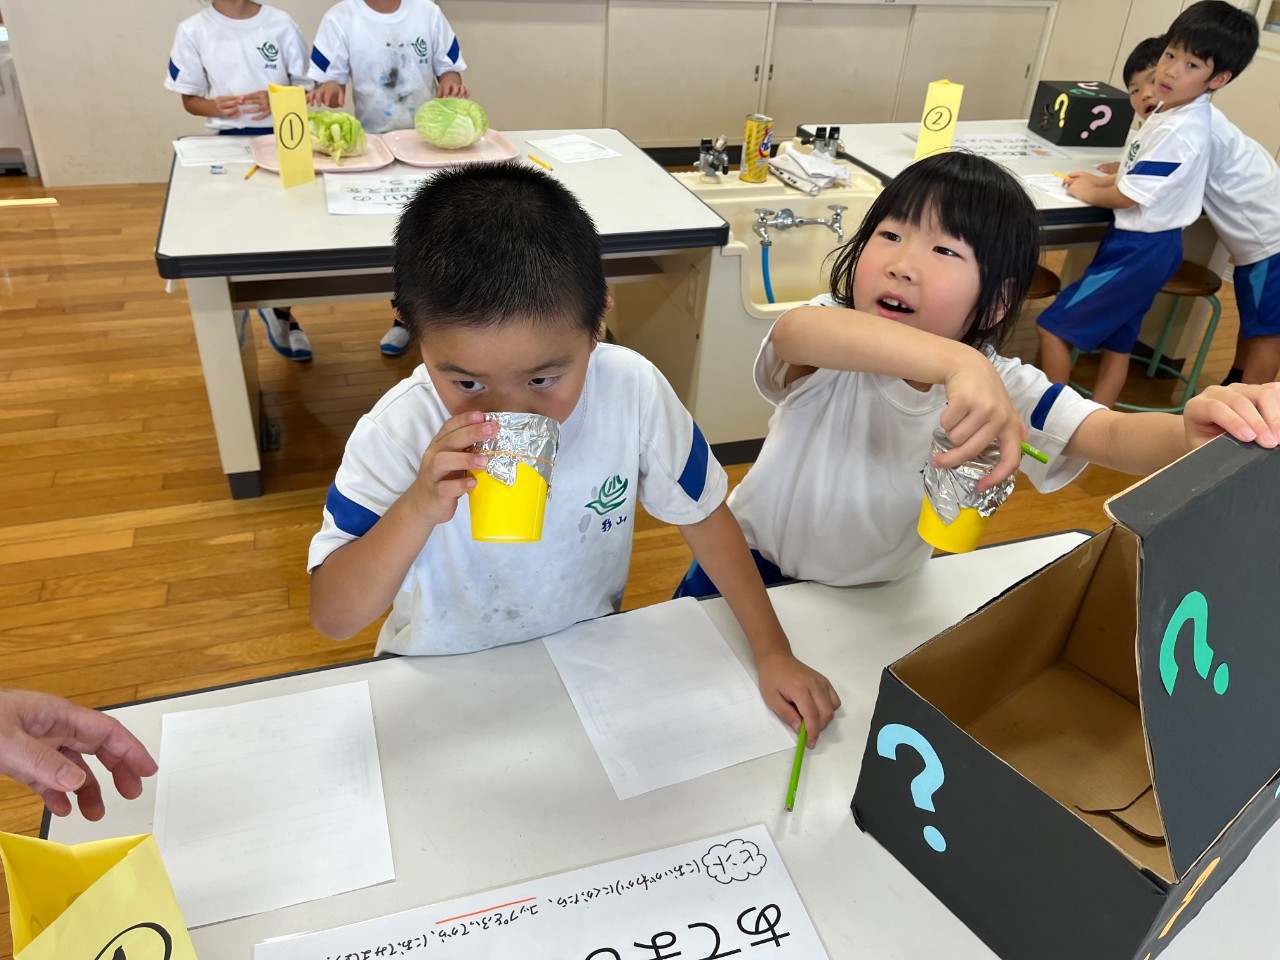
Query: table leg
{"x": 229, "y": 363}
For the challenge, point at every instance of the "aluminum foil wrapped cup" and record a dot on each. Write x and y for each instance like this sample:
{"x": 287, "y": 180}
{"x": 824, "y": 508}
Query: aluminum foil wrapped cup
{"x": 954, "y": 513}
{"x": 511, "y": 493}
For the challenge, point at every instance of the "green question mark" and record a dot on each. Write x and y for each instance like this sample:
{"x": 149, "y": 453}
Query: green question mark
{"x": 1194, "y": 607}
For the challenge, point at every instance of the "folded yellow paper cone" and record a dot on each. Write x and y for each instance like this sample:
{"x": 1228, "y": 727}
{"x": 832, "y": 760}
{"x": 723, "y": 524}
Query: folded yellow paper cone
{"x": 96, "y": 900}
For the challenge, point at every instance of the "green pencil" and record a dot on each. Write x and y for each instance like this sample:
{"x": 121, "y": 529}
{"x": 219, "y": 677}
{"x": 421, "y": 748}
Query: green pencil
{"x": 1031, "y": 451}
{"x": 801, "y": 737}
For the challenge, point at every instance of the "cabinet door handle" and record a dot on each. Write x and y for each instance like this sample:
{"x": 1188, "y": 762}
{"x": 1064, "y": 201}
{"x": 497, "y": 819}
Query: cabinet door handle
{"x": 756, "y": 78}
{"x": 770, "y": 71}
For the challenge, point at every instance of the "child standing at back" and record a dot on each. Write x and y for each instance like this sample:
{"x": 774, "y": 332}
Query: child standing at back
{"x": 1157, "y": 192}
{"x": 398, "y": 54}
{"x": 921, "y": 297}
{"x": 498, "y": 271}
{"x": 223, "y": 58}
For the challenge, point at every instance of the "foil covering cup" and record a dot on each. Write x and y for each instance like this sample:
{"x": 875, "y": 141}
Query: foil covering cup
{"x": 950, "y": 490}
{"x": 526, "y": 438}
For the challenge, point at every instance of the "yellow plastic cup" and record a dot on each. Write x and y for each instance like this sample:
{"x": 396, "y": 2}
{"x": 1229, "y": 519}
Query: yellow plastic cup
{"x": 502, "y": 514}
{"x": 959, "y": 536}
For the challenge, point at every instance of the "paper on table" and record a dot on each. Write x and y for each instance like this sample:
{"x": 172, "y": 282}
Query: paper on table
{"x": 264, "y": 804}
{"x": 725, "y": 895}
{"x": 208, "y": 151}
{"x": 346, "y": 194}
{"x": 1051, "y": 184}
{"x": 662, "y": 696}
{"x": 573, "y": 148}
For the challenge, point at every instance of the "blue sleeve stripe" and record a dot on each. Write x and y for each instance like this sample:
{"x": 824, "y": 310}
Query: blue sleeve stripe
{"x": 454, "y": 51}
{"x": 1041, "y": 412}
{"x": 347, "y": 514}
{"x": 694, "y": 478}
{"x": 319, "y": 59}
{"x": 173, "y": 70}
{"x": 1153, "y": 168}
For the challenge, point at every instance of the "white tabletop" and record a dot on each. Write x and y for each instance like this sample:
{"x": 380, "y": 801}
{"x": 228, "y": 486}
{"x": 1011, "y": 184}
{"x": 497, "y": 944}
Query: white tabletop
{"x": 222, "y": 224}
{"x": 886, "y": 149}
{"x": 490, "y": 779}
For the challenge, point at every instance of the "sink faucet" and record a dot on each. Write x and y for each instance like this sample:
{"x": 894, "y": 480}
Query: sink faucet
{"x": 713, "y": 157}
{"x": 785, "y": 219}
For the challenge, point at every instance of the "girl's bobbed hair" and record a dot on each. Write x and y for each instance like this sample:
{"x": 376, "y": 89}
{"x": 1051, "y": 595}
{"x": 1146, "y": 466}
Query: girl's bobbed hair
{"x": 975, "y": 200}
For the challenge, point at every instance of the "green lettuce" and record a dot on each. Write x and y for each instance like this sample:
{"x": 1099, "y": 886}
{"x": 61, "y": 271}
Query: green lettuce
{"x": 337, "y": 134}
{"x": 451, "y": 122}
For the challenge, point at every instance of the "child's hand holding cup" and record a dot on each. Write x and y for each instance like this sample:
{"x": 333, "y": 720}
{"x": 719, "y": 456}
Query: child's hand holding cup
{"x": 511, "y": 493}
{"x": 954, "y": 512}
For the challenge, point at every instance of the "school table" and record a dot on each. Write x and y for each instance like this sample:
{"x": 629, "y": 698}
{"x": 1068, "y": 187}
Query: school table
{"x": 242, "y": 244}
{"x": 490, "y": 779}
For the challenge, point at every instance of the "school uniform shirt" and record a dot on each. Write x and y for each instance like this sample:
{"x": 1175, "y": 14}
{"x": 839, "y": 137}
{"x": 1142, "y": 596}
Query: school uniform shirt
{"x": 628, "y": 441}
{"x": 391, "y": 59}
{"x": 1164, "y": 169}
{"x": 835, "y": 494}
{"x": 215, "y": 56}
{"x": 1242, "y": 195}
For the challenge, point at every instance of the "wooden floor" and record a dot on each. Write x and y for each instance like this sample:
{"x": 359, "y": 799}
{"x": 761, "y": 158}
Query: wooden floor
{"x": 125, "y": 570}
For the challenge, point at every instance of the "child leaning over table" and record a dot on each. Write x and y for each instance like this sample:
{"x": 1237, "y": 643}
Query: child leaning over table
{"x": 1158, "y": 191}
{"x": 498, "y": 273}
{"x": 398, "y": 54}
{"x": 222, "y": 60}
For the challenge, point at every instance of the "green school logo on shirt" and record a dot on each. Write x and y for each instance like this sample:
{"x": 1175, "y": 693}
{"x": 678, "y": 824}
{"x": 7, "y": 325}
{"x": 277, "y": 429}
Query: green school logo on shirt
{"x": 420, "y": 47}
{"x": 270, "y": 52}
{"x": 613, "y": 494}
{"x": 1133, "y": 151}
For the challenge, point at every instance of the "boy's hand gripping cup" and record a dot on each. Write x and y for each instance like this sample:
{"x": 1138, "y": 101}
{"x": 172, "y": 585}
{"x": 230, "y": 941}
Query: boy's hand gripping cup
{"x": 511, "y": 493}
{"x": 954, "y": 513}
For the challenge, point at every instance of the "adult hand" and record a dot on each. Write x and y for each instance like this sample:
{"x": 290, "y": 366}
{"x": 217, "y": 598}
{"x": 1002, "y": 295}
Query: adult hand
{"x": 43, "y": 742}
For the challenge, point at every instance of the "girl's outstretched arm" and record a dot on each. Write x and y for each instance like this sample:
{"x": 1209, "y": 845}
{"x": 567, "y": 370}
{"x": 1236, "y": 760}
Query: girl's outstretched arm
{"x": 978, "y": 406}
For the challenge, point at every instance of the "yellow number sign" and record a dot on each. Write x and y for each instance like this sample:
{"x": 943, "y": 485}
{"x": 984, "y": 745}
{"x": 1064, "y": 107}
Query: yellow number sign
{"x": 293, "y": 135}
{"x": 938, "y": 124}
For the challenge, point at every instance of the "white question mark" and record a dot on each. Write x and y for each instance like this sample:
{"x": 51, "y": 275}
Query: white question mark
{"x": 1100, "y": 122}
{"x": 926, "y": 783}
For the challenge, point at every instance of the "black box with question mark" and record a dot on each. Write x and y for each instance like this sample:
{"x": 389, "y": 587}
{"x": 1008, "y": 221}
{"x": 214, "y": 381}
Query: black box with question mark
{"x": 1081, "y": 113}
{"x": 1077, "y": 767}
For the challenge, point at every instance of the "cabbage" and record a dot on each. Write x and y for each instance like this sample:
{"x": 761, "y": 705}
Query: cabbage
{"x": 337, "y": 134}
{"x": 451, "y": 122}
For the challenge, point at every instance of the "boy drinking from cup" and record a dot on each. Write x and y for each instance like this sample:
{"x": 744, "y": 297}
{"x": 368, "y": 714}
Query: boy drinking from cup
{"x": 500, "y": 280}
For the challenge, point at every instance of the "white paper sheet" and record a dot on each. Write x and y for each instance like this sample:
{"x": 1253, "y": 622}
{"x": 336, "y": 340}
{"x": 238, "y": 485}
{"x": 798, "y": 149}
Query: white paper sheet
{"x": 211, "y": 151}
{"x": 998, "y": 146}
{"x": 346, "y": 194}
{"x": 708, "y": 898}
{"x": 662, "y": 696}
{"x": 574, "y": 148}
{"x": 263, "y": 804}
{"x": 1051, "y": 184}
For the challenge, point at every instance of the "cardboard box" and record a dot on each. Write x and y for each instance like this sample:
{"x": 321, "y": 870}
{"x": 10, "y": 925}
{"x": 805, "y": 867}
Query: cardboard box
{"x": 1085, "y": 113}
{"x": 1078, "y": 766}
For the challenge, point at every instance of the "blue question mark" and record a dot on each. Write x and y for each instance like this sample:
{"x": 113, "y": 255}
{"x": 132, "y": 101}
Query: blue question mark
{"x": 926, "y": 782}
{"x": 1194, "y": 607}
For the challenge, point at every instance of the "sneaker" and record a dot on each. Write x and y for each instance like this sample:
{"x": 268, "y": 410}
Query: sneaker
{"x": 395, "y": 341}
{"x": 290, "y": 343}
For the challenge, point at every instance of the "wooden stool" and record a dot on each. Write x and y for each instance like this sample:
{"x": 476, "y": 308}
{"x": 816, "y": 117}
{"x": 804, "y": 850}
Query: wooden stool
{"x": 1045, "y": 283}
{"x": 1190, "y": 280}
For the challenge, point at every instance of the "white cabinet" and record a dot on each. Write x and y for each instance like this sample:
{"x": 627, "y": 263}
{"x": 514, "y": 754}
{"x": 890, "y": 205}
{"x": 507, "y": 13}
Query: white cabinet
{"x": 993, "y": 51}
{"x": 1252, "y": 101}
{"x": 835, "y": 60}
{"x": 534, "y": 66}
{"x": 681, "y": 71}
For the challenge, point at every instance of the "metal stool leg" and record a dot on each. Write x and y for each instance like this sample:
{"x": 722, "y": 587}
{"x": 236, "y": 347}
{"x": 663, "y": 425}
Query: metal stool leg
{"x": 1211, "y": 327}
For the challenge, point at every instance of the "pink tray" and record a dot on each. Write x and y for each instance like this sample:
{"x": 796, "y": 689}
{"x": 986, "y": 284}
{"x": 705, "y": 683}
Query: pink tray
{"x": 375, "y": 156}
{"x": 409, "y": 147}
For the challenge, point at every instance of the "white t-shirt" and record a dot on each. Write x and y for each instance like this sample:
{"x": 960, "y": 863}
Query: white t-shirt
{"x": 628, "y": 439}
{"x": 391, "y": 59}
{"x": 216, "y": 56}
{"x": 1164, "y": 168}
{"x": 836, "y": 491}
{"x": 1242, "y": 195}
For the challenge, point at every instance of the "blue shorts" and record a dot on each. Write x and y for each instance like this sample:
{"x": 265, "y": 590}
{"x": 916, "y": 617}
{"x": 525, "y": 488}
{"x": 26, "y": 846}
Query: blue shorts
{"x": 696, "y": 583}
{"x": 1258, "y": 297}
{"x": 1105, "y": 307}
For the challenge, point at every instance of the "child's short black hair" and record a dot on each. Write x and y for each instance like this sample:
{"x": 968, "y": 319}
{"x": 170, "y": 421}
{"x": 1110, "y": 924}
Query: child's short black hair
{"x": 1145, "y": 56}
{"x": 482, "y": 244}
{"x": 977, "y": 201}
{"x": 1218, "y": 31}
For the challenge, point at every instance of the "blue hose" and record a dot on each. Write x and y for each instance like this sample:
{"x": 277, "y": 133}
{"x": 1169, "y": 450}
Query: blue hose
{"x": 764, "y": 272}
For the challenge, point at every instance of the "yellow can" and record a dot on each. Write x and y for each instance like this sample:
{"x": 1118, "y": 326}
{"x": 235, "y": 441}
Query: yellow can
{"x": 756, "y": 146}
